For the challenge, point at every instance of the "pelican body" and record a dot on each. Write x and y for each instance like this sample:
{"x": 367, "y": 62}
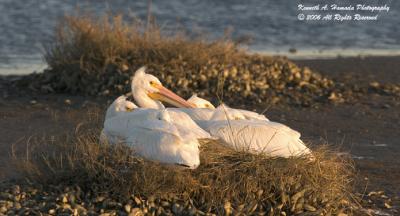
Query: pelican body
{"x": 153, "y": 134}
{"x": 250, "y": 131}
{"x": 255, "y": 136}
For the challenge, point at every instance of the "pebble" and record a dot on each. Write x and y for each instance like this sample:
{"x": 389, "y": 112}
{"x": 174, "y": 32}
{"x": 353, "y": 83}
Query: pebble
{"x": 127, "y": 208}
{"x": 251, "y": 79}
{"x": 59, "y": 203}
{"x": 136, "y": 212}
{"x": 176, "y": 208}
{"x": 3, "y": 209}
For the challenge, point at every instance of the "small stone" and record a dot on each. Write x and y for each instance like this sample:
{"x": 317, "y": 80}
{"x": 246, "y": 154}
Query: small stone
{"x": 127, "y": 208}
{"x": 66, "y": 206}
{"x": 3, "y": 209}
{"x": 374, "y": 84}
{"x": 165, "y": 204}
{"x": 67, "y": 101}
{"x": 106, "y": 92}
{"x": 333, "y": 96}
{"x": 136, "y": 212}
{"x": 387, "y": 205}
{"x": 124, "y": 67}
{"x": 17, "y": 205}
{"x": 100, "y": 199}
{"x": 137, "y": 200}
{"x": 176, "y": 208}
{"x": 33, "y": 102}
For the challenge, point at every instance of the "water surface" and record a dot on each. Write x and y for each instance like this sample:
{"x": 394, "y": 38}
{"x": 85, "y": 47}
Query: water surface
{"x": 25, "y": 25}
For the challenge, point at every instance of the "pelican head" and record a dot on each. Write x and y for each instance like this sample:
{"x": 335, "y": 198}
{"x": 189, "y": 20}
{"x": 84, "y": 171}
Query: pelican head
{"x": 200, "y": 102}
{"x": 120, "y": 105}
{"x": 148, "y": 92}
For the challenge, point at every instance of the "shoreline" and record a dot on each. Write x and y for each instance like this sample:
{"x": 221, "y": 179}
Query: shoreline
{"x": 37, "y": 66}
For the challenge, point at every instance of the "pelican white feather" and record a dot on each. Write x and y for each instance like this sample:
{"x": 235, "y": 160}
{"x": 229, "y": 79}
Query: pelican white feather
{"x": 155, "y": 134}
{"x": 256, "y": 136}
{"x": 246, "y": 130}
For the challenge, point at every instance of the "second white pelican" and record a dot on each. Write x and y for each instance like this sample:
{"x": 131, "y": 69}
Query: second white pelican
{"x": 120, "y": 105}
{"x": 250, "y": 131}
{"x": 256, "y": 136}
{"x": 153, "y": 134}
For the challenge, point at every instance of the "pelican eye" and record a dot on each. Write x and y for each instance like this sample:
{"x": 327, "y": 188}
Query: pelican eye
{"x": 129, "y": 109}
{"x": 207, "y": 105}
{"x": 152, "y": 83}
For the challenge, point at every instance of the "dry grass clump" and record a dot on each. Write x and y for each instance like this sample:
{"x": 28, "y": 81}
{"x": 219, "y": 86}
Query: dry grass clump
{"x": 97, "y": 56}
{"x": 226, "y": 181}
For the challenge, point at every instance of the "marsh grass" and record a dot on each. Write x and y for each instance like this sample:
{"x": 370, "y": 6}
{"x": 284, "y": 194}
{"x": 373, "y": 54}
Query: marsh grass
{"x": 249, "y": 183}
{"x": 88, "y": 48}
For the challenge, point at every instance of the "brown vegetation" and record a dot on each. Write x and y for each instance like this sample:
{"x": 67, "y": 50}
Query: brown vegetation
{"x": 244, "y": 182}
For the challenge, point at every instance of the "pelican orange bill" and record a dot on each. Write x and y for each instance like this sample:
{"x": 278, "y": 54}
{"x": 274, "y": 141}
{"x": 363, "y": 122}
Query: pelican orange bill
{"x": 170, "y": 97}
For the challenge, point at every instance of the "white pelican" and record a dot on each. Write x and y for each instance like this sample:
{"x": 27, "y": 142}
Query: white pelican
{"x": 153, "y": 134}
{"x": 247, "y": 130}
{"x": 120, "y": 105}
{"x": 148, "y": 92}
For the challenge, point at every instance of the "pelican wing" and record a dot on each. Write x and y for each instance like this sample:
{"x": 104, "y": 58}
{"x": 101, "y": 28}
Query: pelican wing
{"x": 253, "y": 115}
{"x": 273, "y": 139}
{"x": 186, "y": 124}
{"x": 154, "y": 138}
{"x": 161, "y": 145}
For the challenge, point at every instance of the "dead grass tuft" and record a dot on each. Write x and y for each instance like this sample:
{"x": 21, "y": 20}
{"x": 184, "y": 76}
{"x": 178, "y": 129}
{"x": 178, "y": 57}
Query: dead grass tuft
{"x": 89, "y": 49}
{"x": 249, "y": 183}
